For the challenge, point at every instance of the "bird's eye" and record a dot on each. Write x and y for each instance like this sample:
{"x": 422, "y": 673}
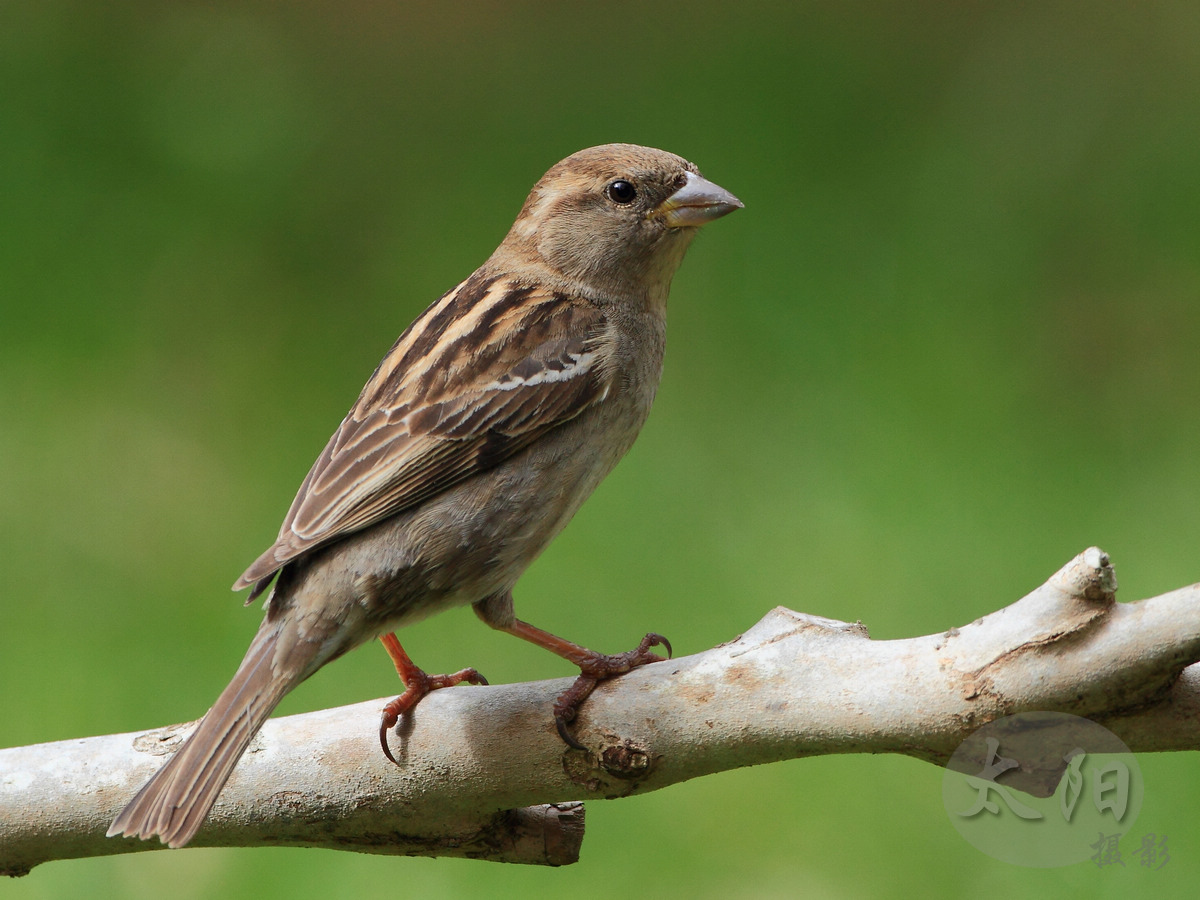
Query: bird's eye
{"x": 621, "y": 192}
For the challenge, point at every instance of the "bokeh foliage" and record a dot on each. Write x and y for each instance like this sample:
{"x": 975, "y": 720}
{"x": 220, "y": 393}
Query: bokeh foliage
{"x": 952, "y": 340}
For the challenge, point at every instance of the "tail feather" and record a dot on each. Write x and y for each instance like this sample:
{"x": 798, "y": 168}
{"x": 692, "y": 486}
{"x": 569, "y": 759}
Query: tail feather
{"x": 176, "y": 800}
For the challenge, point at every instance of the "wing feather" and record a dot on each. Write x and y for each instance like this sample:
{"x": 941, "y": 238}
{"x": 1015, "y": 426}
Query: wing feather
{"x": 425, "y": 422}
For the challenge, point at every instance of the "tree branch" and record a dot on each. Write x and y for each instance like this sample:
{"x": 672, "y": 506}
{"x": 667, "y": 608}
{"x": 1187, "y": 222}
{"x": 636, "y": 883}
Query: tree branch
{"x": 474, "y": 761}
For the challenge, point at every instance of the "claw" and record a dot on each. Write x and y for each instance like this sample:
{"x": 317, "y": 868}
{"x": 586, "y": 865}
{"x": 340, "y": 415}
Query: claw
{"x": 389, "y": 722}
{"x": 416, "y": 685}
{"x": 593, "y": 667}
{"x": 656, "y": 640}
{"x": 560, "y": 722}
{"x": 395, "y": 709}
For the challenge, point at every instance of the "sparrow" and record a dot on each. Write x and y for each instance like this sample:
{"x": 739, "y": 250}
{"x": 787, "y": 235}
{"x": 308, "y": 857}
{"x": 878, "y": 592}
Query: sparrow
{"x": 479, "y": 435}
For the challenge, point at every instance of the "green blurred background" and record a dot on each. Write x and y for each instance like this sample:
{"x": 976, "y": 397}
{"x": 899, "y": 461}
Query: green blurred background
{"x": 952, "y": 340}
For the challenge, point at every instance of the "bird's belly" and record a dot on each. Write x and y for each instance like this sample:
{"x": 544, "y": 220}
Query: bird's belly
{"x": 473, "y": 541}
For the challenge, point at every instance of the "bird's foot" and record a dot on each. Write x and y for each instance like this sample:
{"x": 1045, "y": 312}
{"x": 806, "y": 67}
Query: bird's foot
{"x": 417, "y": 683}
{"x": 596, "y": 667}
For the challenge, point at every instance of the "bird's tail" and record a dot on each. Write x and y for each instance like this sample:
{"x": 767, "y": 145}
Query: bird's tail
{"x": 175, "y": 801}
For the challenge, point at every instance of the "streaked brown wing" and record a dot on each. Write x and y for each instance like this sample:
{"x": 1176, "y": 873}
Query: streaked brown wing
{"x": 423, "y": 423}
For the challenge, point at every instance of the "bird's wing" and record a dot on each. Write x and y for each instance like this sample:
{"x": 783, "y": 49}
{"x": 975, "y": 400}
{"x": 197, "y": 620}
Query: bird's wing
{"x": 477, "y": 378}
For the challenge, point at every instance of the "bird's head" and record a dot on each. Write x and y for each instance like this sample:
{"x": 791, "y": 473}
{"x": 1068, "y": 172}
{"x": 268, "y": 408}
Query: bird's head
{"x": 615, "y": 220}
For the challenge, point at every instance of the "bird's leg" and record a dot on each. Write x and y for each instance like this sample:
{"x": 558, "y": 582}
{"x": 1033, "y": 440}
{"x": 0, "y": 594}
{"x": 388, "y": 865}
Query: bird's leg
{"x": 416, "y": 685}
{"x": 593, "y": 667}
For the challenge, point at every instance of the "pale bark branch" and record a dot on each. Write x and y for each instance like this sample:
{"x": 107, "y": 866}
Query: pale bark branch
{"x": 477, "y": 761}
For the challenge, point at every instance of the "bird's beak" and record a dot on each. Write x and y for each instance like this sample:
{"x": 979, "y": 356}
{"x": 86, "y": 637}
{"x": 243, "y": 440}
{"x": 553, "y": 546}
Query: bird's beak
{"x": 697, "y": 202}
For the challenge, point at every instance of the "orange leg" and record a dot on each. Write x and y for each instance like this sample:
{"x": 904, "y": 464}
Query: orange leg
{"x": 416, "y": 685}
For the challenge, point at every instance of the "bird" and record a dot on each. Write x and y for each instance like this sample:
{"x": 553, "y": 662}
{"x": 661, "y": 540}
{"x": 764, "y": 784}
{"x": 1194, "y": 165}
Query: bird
{"x": 479, "y": 435}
